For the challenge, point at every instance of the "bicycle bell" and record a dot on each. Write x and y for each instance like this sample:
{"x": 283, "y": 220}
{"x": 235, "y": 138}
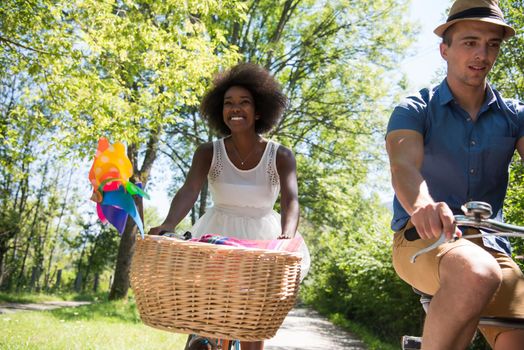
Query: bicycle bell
{"x": 478, "y": 210}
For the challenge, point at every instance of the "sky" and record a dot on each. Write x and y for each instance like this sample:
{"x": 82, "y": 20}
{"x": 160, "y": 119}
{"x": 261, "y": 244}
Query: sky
{"x": 420, "y": 68}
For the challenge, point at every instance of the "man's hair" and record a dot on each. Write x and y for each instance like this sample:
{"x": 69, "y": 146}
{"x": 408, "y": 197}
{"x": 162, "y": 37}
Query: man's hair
{"x": 268, "y": 97}
{"x": 447, "y": 36}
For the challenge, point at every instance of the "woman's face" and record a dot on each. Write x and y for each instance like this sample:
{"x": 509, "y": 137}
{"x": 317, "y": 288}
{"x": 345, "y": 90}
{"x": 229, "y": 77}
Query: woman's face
{"x": 239, "y": 109}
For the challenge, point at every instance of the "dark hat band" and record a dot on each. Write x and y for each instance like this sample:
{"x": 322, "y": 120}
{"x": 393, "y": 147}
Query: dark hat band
{"x": 477, "y": 12}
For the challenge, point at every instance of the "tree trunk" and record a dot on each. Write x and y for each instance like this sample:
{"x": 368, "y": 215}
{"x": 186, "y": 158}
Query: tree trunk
{"x": 35, "y": 276}
{"x": 123, "y": 262}
{"x": 203, "y": 199}
{"x": 58, "y": 279}
{"x": 78, "y": 282}
{"x": 96, "y": 282}
{"x": 57, "y": 235}
{"x": 79, "y": 275}
{"x": 3, "y": 251}
{"x": 126, "y": 248}
{"x": 33, "y": 228}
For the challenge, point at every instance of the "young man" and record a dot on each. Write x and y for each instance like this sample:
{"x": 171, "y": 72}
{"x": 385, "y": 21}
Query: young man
{"x": 449, "y": 145}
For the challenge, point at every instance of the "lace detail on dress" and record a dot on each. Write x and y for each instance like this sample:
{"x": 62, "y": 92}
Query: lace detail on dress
{"x": 218, "y": 165}
{"x": 271, "y": 165}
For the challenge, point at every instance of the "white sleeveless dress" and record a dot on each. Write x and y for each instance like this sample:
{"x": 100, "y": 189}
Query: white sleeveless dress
{"x": 243, "y": 200}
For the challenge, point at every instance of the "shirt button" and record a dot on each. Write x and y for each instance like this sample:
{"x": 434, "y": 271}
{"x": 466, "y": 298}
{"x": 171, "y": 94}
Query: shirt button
{"x": 472, "y": 171}
{"x": 473, "y": 143}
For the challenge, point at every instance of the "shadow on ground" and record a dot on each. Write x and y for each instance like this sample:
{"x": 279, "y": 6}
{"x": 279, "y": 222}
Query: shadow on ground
{"x": 306, "y": 329}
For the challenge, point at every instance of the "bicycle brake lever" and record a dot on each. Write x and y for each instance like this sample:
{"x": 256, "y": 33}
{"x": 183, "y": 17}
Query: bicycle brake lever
{"x": 440, "y": 241}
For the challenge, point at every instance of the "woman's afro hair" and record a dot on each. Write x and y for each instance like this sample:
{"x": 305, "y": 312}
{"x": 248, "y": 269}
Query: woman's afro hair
{"x": 270, "y": 101}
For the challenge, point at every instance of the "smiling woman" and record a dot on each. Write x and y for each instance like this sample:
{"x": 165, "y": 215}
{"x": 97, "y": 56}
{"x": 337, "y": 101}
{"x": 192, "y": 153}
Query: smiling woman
{"x": 246, "y": 172}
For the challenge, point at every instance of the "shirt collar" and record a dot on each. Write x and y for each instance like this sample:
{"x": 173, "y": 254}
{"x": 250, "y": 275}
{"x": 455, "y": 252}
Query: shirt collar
{"x": 445, "y": 96}
{"x": 491, "y": 98}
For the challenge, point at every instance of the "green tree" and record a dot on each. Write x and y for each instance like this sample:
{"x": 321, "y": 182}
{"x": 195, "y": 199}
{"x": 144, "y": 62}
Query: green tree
{"x": 119, "y": 69}
{"x": 336, "y": 62}
{"x": 508, "y": 77}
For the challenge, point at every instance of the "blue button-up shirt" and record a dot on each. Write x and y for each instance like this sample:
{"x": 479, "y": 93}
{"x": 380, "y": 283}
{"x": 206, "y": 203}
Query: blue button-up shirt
{"x": 464, "y": 160}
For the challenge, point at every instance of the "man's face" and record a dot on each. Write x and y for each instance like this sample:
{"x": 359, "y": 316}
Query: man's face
{"x": 472, "y": 53}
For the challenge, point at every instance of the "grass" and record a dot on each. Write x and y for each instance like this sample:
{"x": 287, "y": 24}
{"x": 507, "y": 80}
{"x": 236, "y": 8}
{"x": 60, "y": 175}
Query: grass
{"x": 27, "y": 298}
{"x": 371, "y": 341}
{"x": 100, "y": 325}
{"x": 41, "y": 297}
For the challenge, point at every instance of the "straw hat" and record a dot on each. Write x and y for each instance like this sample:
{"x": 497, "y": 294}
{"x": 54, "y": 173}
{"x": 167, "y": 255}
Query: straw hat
{"x": 475, "y": 10}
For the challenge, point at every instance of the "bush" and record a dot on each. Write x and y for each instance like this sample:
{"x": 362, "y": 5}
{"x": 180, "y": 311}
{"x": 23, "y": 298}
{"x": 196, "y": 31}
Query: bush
{"x": 352, "y": 274}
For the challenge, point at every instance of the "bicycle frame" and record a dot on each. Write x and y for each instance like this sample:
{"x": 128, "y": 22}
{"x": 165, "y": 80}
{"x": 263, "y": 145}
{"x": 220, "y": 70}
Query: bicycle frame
{"x": 219, "y": 344}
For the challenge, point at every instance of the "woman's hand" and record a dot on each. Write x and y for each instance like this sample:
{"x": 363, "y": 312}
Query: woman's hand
{"x": 160, "y": 230}
{"x": 286, "y": 235}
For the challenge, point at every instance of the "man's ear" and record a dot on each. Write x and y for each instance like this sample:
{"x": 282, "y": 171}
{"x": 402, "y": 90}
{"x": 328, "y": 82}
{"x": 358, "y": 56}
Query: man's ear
{"x": 444, "y": 51}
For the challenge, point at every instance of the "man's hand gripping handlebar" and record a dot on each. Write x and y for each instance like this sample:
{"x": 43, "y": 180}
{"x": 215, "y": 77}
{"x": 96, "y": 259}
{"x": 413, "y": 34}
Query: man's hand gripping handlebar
{"x": 477, "y": 215}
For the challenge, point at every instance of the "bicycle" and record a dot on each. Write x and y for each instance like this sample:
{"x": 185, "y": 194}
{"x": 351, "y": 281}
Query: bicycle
{"x": 196, "y": 342}
{"x": 477, "y": 215}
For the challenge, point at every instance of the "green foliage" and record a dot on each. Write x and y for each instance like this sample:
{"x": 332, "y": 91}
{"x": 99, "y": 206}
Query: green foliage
{"x": 370, "y": 339}
{"x": 514, "y": 207}
{"x": 80, "y": 71}
{"x": 130, "y": 70}
{"x": 26, "y": 298}
{"x": 508, "y": 77}
{"x": 352, "y": 275}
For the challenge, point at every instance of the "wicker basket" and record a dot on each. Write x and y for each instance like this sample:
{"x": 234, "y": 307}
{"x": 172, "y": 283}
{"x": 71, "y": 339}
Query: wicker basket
{"x": 213, "y": 290}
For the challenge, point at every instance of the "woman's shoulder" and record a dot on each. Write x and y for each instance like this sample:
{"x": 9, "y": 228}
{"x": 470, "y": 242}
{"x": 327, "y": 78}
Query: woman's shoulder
{"x": 283, "y": 150}
{"x": 284, "y": 154}
{"x": 204, "y": 150}
{"x": 206, "y": 146}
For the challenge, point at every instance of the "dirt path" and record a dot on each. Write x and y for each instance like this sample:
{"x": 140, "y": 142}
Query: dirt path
{"x": 6, "y": 308}
{"x": 305, "y": 329}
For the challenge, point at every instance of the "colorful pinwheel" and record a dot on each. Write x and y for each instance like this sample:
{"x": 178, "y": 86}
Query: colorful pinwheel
{"x": 112, "y": 190}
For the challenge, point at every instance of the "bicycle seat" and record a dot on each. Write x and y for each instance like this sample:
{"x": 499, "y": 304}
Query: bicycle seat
{"x": 421, "y": 293}
{"x": 506, "y": 322}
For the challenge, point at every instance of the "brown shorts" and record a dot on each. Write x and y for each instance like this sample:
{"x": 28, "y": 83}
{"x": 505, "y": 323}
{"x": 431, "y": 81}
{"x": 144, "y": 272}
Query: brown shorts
{"x": 424, "y": 276}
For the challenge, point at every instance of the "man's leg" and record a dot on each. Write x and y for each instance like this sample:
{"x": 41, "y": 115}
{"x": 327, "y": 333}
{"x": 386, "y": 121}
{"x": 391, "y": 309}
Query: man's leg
{"x": 469, "y": 277}
{"x": 508, "y": 302}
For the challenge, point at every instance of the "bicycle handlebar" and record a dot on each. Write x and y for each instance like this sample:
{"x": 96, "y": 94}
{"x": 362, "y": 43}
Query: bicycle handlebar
{"x": 477, "y": 215}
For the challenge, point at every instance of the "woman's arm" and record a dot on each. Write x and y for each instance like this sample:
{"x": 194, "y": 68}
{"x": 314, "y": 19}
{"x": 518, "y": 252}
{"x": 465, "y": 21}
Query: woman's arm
{"x": 287, "y": 172}
{"x": 186, "y": 196}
